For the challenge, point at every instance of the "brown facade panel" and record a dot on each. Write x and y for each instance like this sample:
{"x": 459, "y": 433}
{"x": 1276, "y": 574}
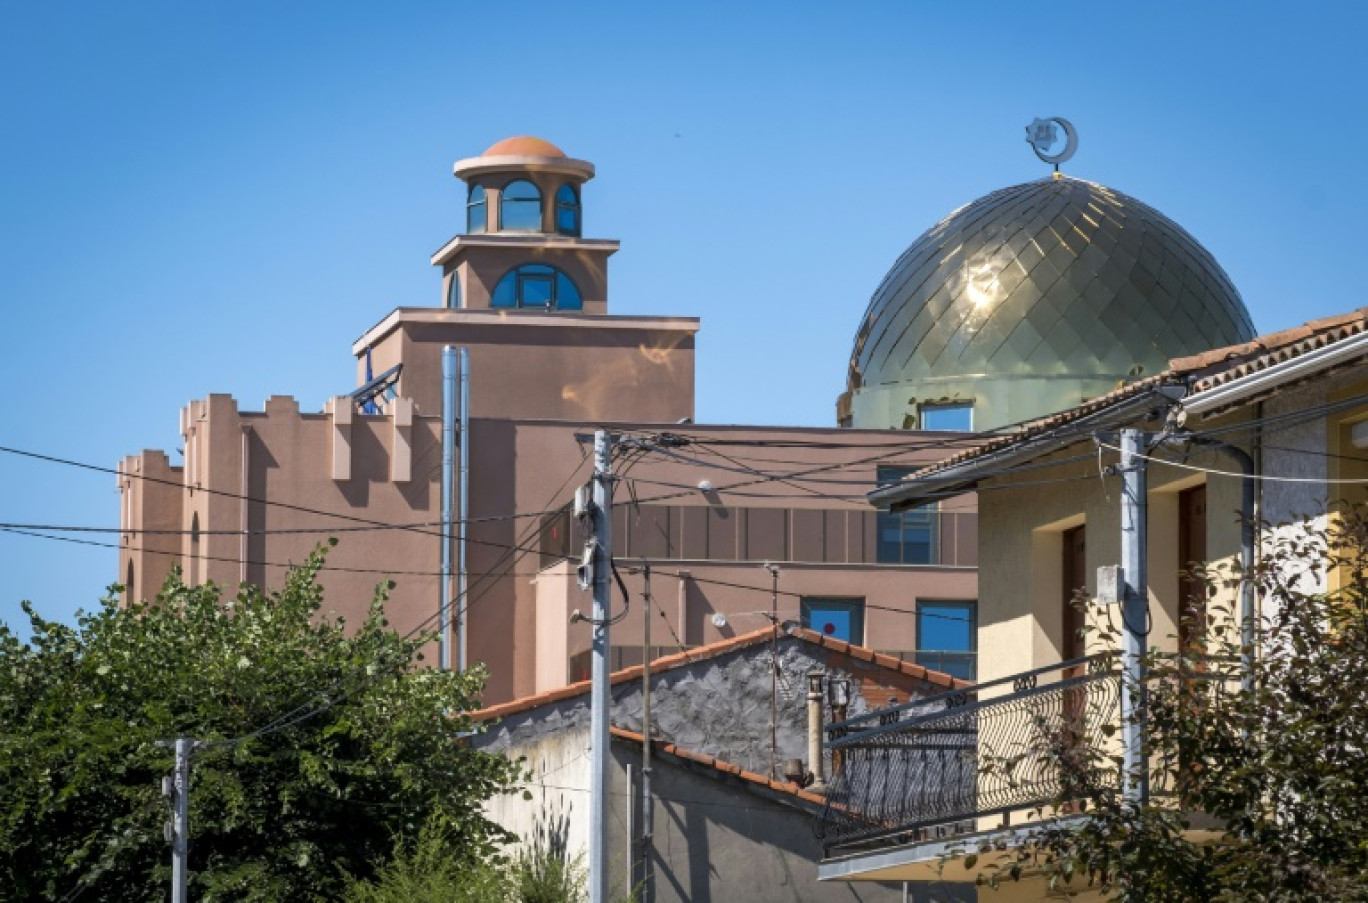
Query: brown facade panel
{"x": 865, "y": 525}
{"x": 694, "y": 532}
{"x": 807, "y": 529}
{"x": 835, "y": 538}
{"x": 649, "y": 533}
{"x": 722, "y": 533}
{"x": 965, "y": 531}
{"x": 766, "y": 534}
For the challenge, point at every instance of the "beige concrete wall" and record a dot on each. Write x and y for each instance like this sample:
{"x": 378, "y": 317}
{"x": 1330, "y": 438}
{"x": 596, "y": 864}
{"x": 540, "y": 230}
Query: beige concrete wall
{"x": 713, "y": 841}
{"x": 1020, "y": 610}
{"x": 559, "y": 783}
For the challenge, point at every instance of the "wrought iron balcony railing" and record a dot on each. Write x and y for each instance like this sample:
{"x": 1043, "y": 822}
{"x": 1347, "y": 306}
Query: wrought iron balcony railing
{"x": 933, "y": 766}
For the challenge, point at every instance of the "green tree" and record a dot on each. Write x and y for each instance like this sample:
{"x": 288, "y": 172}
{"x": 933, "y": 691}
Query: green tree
{"x": 364, "y": 746}
{"x": 1257, "y": 793}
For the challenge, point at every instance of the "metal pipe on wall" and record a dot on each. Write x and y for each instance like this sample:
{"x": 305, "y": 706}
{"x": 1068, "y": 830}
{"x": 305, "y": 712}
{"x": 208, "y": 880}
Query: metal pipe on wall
{"x": 683, "y": 602}
{"x": 448, "y": 465}
{"x": 246, "y": 469}
{"x": 461, "y": 567}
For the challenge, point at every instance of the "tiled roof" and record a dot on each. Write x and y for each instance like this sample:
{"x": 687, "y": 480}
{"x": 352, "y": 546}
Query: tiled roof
{"x": 712, "y": 650}
{"x": 706, "y": 761}
{"x": 1033, "y": 428}
{"x": 1274, "y": 348}
{"x": 1197, "y": 373}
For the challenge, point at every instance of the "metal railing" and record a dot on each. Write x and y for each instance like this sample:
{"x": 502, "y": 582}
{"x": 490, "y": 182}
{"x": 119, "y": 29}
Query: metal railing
{"x": 934, "y": 765}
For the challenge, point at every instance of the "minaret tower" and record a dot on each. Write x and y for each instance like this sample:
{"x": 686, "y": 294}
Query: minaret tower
{"x": 523, "y": 247}
{"x": 526, "y": 294}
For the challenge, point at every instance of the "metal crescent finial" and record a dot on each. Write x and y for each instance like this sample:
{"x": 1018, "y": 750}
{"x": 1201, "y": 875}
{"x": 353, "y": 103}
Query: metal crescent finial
{"x": 1041, "y": 135}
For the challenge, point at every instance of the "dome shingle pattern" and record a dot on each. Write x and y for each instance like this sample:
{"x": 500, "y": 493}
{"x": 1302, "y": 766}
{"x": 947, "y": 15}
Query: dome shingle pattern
{"x": 1057, "y": 277}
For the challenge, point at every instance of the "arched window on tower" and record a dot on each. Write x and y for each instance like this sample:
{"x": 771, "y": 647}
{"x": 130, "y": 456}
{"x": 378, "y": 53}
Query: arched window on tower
{"x": 567, "y": 210}
{"x": 520, "y": 207}
{"x": 477, "y": 213}
{"x": 130, "y": 592}
{"x": 537, "y": 286}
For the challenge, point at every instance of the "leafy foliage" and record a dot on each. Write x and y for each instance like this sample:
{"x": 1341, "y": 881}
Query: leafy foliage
{"x": 544, "y": 871}
{"x": 367, "y": 747}
{"x": 431, "y": 869}
{"x": 1257, "y": 786}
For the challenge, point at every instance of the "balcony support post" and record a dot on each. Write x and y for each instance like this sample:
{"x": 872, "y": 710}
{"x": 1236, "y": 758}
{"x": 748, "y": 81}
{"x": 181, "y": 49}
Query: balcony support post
{"x": 1134, "y": 615}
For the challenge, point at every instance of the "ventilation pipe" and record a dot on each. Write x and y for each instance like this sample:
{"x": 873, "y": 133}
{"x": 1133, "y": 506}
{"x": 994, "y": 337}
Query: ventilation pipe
{"x": 816, "y": 678}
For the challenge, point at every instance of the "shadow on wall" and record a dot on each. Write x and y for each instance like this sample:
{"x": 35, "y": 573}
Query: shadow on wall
{"x": 717, "y": 844}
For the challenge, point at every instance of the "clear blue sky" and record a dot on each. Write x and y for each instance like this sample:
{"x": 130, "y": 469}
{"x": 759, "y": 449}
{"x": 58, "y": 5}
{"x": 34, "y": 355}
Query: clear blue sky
{"x": 220, "y": 197}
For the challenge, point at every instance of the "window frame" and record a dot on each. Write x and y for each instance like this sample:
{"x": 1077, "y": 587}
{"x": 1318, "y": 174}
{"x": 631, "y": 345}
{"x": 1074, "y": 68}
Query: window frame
{"x": 854, "y": 606}
{"x": 453, "y": 293}
{"x": 472, "y": 204}
{"x": 505, "y": 201}
{"x": 927, "y": 517}
{"x": 969, "y": 656}
{"x": 572, "y": 206}
{"x": 945, "y": 406}
{"x": 554, "y": 276}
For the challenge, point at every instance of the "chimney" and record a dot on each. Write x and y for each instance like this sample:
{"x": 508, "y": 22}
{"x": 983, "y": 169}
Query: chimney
{"x": 814, "y": 699}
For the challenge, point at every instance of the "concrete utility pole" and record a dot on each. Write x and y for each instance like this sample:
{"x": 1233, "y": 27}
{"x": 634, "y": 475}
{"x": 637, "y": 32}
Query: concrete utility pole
{"x": 647, "y": 805}
{"x": 176, "y": 786}
{"x": 1134, "y": 614}
{"x": 600, "y": 556}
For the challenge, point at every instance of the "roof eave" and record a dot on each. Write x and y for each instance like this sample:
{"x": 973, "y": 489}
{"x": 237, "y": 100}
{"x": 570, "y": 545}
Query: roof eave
{"x": 915, "y": 491}
{"x": 1258, "y": 384}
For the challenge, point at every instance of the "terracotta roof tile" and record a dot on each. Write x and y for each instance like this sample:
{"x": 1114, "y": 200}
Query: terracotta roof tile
{"x": 671, "y": 749}
{"x": 701, "y": 653}
{"x": 1225, "y": 364}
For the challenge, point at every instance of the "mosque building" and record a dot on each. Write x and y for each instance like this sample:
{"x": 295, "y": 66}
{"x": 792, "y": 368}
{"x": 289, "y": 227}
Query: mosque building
{"x": 1026, "y": 301}
{"x": 742, "y": 526}
{"x": 1030, "y": 300}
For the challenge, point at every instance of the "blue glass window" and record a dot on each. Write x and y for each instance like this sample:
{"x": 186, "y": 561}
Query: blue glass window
{"x": 946, "y": 637}
{"x": 840, "y": 619}
{"x": 453, "y": 298}
{"x": 520, "y": 207}
{"x": 567, "y": 211}
{"x": 907, "y": 537}
{"x": 477, "y": 213}
{"x": 950, "y": 417}
{"x": 536, "y": 285}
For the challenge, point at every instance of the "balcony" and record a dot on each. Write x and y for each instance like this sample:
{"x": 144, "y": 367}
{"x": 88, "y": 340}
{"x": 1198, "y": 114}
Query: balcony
{"x": 942, "y": 766}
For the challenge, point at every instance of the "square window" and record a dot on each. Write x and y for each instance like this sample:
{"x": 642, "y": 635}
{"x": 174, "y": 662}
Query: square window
{"x": 947, "y": 637}
{"x": 840, "y": 619}
{"x": 535, "y": 290}
{"x": 906, "y": 537}
{"x": 952, "y": 417}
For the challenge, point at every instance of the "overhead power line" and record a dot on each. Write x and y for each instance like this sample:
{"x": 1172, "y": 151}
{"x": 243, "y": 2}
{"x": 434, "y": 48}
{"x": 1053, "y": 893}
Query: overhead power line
{"x": 369, "y": 523}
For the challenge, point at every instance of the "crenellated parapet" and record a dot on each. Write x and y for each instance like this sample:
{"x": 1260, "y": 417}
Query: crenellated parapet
{"x": 259, "y": 490}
